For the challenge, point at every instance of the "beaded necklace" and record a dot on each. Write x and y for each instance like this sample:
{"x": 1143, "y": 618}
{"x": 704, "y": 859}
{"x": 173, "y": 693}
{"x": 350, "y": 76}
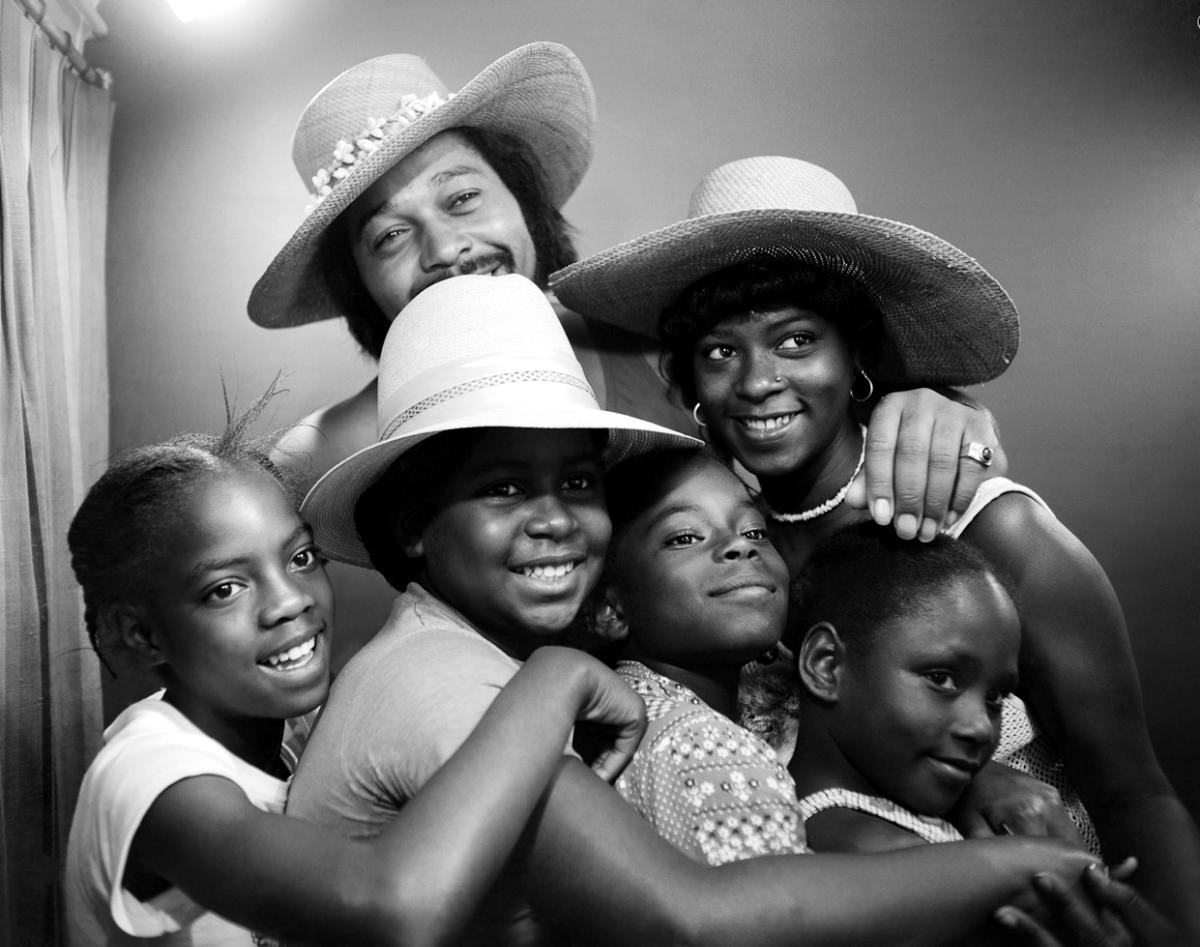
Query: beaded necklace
{"x": 832, "y": 503}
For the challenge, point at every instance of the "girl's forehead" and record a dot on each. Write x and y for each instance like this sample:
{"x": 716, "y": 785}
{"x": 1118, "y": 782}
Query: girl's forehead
{"x": 969, "y": 614}
{"x": 701, "y": 485}
{"x": 233, "y": 503}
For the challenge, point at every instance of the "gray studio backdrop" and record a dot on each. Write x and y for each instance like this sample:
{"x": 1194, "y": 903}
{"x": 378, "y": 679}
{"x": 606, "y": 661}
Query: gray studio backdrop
{"x": 1057, "y": 142}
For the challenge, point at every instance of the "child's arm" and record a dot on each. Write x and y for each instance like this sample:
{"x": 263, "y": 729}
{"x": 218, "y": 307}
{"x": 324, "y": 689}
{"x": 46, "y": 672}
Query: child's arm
{"x": 420, "y": 881}
{"x": 852, "y": 832}
{"x": 1078, "y": 675}
{"x": 597, "y": 871}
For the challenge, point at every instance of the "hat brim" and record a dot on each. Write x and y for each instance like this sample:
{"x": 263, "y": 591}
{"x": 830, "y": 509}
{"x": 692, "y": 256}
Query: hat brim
{"x": 329, "y": 506}
{"x": 946, "y": 320}
{"x": 539, "y": 93}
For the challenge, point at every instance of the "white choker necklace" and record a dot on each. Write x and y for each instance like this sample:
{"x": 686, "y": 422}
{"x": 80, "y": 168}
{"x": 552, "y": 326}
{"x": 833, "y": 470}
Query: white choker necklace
{"x": 831, "y": 504}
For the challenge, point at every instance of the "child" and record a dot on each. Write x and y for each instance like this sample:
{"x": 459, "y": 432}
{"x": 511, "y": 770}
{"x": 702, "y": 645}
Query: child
{"x": 483, "y": 503}
{"x": 905, "y": 653}
{"x": 193, "y": 560}
{"x": 692, "y": 591}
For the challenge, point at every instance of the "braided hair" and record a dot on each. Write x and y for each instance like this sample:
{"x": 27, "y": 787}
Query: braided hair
{"x": 120, "y": 530}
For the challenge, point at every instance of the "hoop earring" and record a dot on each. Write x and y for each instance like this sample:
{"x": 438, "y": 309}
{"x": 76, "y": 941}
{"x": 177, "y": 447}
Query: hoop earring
{"x": 696, "y": 415}
{"x": 870, "y": 387}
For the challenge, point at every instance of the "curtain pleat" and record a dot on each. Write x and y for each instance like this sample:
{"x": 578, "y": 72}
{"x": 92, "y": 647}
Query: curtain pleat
{"x": 54, "y": 144}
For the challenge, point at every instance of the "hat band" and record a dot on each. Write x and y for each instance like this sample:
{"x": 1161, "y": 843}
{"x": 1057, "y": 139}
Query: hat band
{"x": 347, "y": 154}
{"x": 525, "y": 378}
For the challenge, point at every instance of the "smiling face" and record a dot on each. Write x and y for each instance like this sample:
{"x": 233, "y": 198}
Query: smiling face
{"x": 774, "y": 387}
{"x": 695, "y": 577}
{"x": 919, "y": 712}
{"x": 440, "y": 211}
{"x": 240, "y": 609}
{"x": 518, "y": 538}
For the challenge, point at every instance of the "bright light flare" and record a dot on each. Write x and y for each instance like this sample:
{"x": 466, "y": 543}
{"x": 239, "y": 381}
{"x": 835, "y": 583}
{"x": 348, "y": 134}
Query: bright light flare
{"x": 188, "y": 10}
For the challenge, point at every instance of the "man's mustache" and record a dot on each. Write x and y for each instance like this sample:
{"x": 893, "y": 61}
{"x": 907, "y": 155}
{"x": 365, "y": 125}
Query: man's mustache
{"x": 484, "y": 262}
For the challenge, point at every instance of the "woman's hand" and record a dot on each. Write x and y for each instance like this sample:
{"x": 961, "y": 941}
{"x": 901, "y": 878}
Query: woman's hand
{"x": 611, "y": 717}
{"x": 1003, "y": 801}
{"x": 918, "y": 473}
{"x": 1103, "y": 911}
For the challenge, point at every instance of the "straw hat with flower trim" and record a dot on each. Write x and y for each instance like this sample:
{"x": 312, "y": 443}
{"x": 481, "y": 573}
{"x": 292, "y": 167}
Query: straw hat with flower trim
{"x": 471, "y": 352}
{"x": 376, "y": 113}
{"x": 945, "y": 318}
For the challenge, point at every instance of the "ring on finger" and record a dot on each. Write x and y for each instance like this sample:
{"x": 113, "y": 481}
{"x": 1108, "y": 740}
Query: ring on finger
{"x": 980, "y": 453}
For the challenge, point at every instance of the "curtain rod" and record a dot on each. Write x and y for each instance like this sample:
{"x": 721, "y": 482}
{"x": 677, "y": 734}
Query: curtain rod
{"x": 61, "y": 40}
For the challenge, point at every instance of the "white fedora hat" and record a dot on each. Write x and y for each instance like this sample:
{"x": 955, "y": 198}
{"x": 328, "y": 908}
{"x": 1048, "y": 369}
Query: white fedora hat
{"x": 945, "y": 318}
{"x": 379, "y": 111}
{"x": 470, "y": 352}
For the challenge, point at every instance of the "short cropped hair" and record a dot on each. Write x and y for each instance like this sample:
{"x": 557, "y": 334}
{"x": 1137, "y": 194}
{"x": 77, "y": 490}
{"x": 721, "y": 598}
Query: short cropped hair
{"x": 519, "y": 168}
{"x": 864, "y": 576}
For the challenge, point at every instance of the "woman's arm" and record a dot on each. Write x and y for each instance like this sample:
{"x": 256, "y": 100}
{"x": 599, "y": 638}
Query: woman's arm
{"x": 601, "y": 875}
{"x": 916, "y": 471}
{"x": 420, "y": 881}
{"x": 1079, "y": 678}
{"x": 1001, "y": 800}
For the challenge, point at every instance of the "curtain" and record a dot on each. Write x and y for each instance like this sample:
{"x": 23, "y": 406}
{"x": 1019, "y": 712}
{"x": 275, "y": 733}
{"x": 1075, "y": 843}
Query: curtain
{"x": 54, "y": 142}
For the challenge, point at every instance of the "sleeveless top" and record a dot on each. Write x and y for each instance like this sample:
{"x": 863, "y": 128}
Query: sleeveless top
{"x": 1023, "y": 746}
{"x": 928, "y": 828}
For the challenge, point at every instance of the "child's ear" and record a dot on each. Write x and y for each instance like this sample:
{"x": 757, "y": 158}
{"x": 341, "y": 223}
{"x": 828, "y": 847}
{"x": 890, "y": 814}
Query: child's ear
{"x": 821, "y": 661}
{"x": 131, "y": 626}
{"x": 608, "y": 618}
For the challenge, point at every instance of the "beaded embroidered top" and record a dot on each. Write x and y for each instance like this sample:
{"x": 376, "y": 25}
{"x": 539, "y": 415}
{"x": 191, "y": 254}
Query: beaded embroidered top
{"x": 709, "y": 787}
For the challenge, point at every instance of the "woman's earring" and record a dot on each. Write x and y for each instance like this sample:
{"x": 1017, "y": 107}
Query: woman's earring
{"x": 870, "y": 387}
{"x": 696, "y": 415}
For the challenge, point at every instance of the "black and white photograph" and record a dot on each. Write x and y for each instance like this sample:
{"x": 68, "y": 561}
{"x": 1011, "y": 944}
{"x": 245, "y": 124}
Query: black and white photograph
{"x": 707, "y": 472}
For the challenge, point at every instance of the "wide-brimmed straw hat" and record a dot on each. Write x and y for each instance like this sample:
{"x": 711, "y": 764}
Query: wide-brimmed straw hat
{"x": 379, "y": 111}
{"x": 945, "y": 319}
{"x": 471, "y": 352}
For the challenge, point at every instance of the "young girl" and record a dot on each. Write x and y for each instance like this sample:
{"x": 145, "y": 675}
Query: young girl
{"x": 484, "y": 494}
{"x": 193, "y": 560}
{"x": 691, "y": 592}
{"x": 905, "y": 655}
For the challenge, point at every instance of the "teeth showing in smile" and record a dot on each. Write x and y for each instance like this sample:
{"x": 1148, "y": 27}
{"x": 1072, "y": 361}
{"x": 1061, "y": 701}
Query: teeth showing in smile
{"x": 292, "y": 658}
{"x": 767, "y": 425}
{"x": 547, "y": 572}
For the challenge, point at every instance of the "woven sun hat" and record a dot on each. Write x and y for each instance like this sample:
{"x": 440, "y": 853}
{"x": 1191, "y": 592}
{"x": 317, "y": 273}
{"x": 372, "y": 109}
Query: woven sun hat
{"x": 376, "y": 113}
{"x": 470, "y": 352}
{"x": 945, "y": 318}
